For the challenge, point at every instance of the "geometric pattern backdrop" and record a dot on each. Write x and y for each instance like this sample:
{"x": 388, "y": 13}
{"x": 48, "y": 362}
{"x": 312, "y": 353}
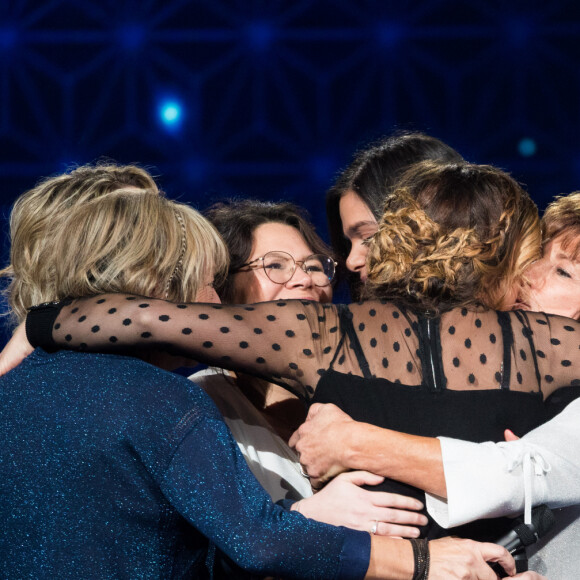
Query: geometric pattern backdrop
{"x": 269, "y": 98}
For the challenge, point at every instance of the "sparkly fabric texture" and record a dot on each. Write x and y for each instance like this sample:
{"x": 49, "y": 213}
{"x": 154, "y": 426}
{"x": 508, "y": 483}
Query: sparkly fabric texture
{"x": 112, "y": 468}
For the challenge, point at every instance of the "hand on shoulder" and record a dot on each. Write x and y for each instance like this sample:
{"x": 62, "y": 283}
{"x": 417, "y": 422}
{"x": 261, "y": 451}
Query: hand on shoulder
{"x": 15, "y": 351}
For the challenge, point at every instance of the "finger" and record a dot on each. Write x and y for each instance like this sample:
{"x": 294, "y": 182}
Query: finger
{"x": 495, "y": 553}
{"x": 396, "y": 500}
{"x": 317, "y": 483}
{"x": 314, "y": 409}
{"x": 509, "y": 435}
{"x": 362, "y": 478}
{"x": 400, "y": 517}
{"x": 394, "y": 530}
{"x": 294, "y": 438}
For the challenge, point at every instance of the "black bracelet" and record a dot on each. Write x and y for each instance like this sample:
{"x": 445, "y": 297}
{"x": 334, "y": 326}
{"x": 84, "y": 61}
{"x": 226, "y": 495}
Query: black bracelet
{"x": 421, "y": 558}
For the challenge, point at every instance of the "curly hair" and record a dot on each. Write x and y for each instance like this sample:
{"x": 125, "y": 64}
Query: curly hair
{"x": 453, "y": 235}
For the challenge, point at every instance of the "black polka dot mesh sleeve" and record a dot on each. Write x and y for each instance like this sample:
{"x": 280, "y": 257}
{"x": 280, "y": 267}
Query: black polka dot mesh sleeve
{"x": 288, "y": 341}
{"x": 295, "y": 342}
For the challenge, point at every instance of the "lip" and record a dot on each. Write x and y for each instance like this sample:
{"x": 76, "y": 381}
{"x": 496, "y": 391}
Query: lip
{"x": 307, "y": 297}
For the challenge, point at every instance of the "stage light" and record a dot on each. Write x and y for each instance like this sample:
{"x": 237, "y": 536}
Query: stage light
{"x": 170, "y": 113}
{"x": 389, "y": 34}
{"x": 520, "y": 31}
{"x": 527, "y": 147}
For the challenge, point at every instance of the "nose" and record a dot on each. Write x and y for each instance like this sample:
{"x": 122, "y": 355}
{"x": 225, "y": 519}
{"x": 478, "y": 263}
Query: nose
{"x": 356, "y": 260}
{"x": 300, "y": 278}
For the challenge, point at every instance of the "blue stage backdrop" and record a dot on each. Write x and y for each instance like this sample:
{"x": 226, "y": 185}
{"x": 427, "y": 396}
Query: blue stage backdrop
{"x": 270, "y": 98}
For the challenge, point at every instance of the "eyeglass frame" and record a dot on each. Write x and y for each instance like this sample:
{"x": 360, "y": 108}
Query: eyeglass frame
{"x": 300, "y": 263}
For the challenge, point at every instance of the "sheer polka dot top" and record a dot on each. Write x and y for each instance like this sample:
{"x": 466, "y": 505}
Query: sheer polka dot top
{"x": 295, "y": 342}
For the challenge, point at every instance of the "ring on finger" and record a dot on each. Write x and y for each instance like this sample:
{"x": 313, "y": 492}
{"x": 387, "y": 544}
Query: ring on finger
{"x": 374, "y": 527}
{"x": 303, "y": 473}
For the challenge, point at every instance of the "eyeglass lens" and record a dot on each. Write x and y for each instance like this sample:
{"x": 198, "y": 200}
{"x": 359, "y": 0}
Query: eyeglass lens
{"x": 280, "y": 267}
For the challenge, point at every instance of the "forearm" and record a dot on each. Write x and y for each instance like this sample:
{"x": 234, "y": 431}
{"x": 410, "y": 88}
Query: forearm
{"x": 269, "y": 340}
{"x": 407, "y": 458}
{"x": 391, "y": 559}
{"x": 488, "y": 479}
{"x": 449, "y": 559}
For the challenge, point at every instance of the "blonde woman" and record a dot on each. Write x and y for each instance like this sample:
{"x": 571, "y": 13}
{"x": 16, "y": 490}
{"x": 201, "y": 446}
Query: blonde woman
{"x": 36, "y": 214}
{"x": 113, "y": 467}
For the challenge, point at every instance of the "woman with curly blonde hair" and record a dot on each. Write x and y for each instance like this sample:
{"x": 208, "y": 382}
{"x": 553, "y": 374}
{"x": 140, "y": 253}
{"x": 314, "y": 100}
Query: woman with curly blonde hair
{"x": 429, "y": 357}
{"x": 454, "y": 235}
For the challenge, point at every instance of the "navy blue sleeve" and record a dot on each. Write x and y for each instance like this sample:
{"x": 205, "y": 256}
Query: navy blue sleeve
{"x": 209, "y": 483}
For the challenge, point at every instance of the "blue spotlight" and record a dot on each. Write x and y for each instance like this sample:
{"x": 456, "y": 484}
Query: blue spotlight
{"x": 170, "y": 114}
{"x": 389, "y": 34}
{"x": 520, "y": 31}
{"x": 527, "y": 147}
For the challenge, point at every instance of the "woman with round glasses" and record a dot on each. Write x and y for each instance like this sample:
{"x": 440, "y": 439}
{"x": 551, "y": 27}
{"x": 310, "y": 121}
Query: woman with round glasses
{"x": 275, "y": 254}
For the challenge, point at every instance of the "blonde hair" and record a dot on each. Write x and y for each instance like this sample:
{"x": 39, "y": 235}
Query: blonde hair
{"x": 453, "y": 235}
{"x": 135, "y": 242}
{"x": 562, "y": 220}
{"x": 37, "y": 213}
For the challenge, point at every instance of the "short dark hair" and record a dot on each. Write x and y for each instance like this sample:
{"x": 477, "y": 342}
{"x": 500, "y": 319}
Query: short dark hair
{"x": 237, "y": 219}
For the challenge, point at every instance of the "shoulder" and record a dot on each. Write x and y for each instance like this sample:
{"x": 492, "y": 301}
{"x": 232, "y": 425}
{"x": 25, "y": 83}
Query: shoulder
{"x": 118, "y": 377}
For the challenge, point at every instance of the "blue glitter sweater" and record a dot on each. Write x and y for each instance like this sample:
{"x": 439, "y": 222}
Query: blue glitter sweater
{"x": 112, "y": 468}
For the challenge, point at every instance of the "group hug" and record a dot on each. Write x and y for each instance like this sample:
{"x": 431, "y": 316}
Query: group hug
{"x": 396, "y": 437}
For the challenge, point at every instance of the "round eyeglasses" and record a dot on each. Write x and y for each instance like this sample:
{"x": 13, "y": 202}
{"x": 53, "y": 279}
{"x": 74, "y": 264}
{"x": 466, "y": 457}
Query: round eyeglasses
{"x": 280, "y": 267}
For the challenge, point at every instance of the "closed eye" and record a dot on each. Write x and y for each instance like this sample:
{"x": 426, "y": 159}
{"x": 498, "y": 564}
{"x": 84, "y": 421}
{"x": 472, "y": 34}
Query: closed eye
{"x": 313, "y": 268}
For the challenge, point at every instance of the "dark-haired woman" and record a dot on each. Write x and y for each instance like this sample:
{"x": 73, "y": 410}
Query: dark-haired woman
{"x": 355, "y": 203}
{"x": 275, "y": 254}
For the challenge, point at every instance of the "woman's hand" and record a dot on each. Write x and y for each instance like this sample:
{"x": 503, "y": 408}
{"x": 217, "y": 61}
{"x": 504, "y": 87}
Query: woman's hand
{"x": 454, "y": 558}
{"x": 320, "y": 441}
{"x": 15, "y": 351}
{"x": 343, "y": 503}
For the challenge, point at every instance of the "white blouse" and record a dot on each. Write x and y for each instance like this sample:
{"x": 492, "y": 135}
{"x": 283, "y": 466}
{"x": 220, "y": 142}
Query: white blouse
{"x": 496, "y": 479}
{"x": 269, "y": 458}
